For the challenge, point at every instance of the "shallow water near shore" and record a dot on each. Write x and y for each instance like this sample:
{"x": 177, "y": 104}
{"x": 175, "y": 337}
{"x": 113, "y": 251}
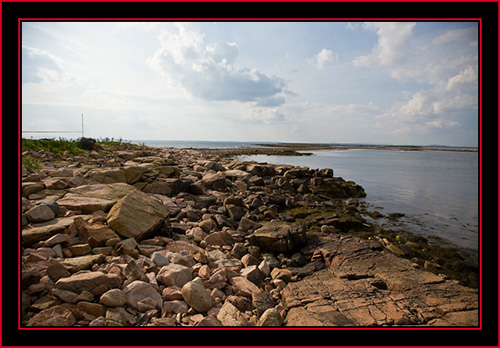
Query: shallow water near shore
{"x": 438, "y": 191}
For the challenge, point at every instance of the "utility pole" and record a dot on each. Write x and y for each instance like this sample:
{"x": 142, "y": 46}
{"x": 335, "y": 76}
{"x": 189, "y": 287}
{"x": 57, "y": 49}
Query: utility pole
{"x": 82, "y": 125}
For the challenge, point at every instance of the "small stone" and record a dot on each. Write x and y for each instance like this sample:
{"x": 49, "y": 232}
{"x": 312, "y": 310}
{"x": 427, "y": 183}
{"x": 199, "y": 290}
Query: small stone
{"x": 57, "y": 271}
{"x": 395, "y": 249}
{"x": 196, "y": 295}
{"x": 229, "y": 315}
{"x": 88, "y": 281}
{"x": 159, "y": 259}
{"x": 40, "y": 213}
{"x": 86, "y": 296}
{"x": 54, "y": 316}
{"x": 283, "y": 274}
{"x": 113, "y": 298}
{"x": 80, "y": 249}
{"x": 56, "y": 239}
{"x": 204, "y": 272}
{"x": 134, "y": 272}
{"x": 271, "y": 317}
{"x": 253, "y": 274}
{"x": 264, "y": 268}
{"x": 174, "y": 275}
{"x": 92, "y": 308}
{"x": 138, "y": 291}
{"x": 172, "y": 293}
{"x": 65, "y": 295}
{"x": 262, "y": 301}
{"x": 243, "y": 286}
{"x": 175, "y": 307}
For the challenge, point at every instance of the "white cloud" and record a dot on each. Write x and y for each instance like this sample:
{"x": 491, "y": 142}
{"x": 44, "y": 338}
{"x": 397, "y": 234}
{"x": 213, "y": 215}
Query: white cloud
{"x": 265, "y": 115}
{"x": 41, "y": 66}
{"x": 427, "y": 109}
{"x": 466, "y": 34}
{"x": 446, "y": 69}
{"x": 209, "y": 71}
{"x": 392, "y": 46}
{"x": 323, "y": 58}
{"x": 467, "y": 77}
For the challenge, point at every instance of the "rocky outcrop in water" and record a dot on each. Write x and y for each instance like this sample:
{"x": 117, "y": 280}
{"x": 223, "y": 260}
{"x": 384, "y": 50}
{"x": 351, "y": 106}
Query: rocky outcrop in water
{"x": 168, "y": 237}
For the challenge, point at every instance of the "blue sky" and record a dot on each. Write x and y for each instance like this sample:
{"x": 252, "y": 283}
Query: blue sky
{"x": 347, "y": 82}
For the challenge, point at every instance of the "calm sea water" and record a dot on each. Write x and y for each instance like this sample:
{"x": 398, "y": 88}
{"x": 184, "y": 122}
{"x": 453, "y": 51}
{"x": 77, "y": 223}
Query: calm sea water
{"x": 436, "y": 190}
{"x": 185, "y": 144}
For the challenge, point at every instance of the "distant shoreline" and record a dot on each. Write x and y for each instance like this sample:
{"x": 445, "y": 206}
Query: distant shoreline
{"x": 368, "y": 146}
{"x": 298, "y": 149}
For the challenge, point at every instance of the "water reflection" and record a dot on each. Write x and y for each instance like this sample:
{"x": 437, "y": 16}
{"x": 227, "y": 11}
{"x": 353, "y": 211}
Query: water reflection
{"x": 437, "y": 190}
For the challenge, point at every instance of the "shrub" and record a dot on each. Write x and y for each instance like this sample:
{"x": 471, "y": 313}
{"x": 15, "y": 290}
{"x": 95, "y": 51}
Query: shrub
{"x": 31, "y": 164}
{"x": 86, "y": 143}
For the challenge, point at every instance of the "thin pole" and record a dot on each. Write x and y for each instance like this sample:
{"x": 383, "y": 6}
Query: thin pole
{"x": 82, "y": 125}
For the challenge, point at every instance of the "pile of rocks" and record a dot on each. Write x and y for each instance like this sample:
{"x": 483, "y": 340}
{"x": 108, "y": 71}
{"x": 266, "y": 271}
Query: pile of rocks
{"x": 169, "y": 237}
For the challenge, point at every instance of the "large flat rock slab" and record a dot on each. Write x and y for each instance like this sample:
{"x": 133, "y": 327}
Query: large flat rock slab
{"x": 91, "y": 198}
{"x": 364, "y": 286}
{"x": 40, "y": 231}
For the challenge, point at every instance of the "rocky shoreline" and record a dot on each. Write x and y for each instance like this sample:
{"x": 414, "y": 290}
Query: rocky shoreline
{"x": 138, "y": 236}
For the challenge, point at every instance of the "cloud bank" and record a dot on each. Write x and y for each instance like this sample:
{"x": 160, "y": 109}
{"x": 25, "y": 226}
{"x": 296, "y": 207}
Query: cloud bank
{"x": 446, "y": 69}
{"x": 209, "y": 71}
{"x": 392, "y": 46}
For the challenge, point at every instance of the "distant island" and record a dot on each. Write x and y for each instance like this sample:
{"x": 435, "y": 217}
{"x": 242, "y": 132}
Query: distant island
{"x": 301, "y": 149}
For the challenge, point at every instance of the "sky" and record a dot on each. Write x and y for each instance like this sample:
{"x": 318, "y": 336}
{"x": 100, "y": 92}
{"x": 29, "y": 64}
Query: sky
{"x": 315, "y": 82}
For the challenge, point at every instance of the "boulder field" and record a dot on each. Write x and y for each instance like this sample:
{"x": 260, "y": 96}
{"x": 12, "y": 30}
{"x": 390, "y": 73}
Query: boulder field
{"x": 143, "y": 236}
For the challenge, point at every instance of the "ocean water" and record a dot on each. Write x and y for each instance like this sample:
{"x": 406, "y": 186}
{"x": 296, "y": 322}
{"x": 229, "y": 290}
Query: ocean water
{"x": 438, "y": 191}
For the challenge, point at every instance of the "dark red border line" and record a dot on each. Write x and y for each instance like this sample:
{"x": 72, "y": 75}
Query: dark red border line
{"x": 20, "y": 20}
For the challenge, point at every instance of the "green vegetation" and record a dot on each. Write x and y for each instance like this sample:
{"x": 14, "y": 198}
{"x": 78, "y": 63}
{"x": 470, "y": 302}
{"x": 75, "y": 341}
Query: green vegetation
{"x": 31, "y": 164}
{"x": 73, "y": 147}
{"x": 59, "y": 146}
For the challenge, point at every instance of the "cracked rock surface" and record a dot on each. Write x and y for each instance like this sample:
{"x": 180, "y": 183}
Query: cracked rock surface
{"x": 364, "y": 286}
